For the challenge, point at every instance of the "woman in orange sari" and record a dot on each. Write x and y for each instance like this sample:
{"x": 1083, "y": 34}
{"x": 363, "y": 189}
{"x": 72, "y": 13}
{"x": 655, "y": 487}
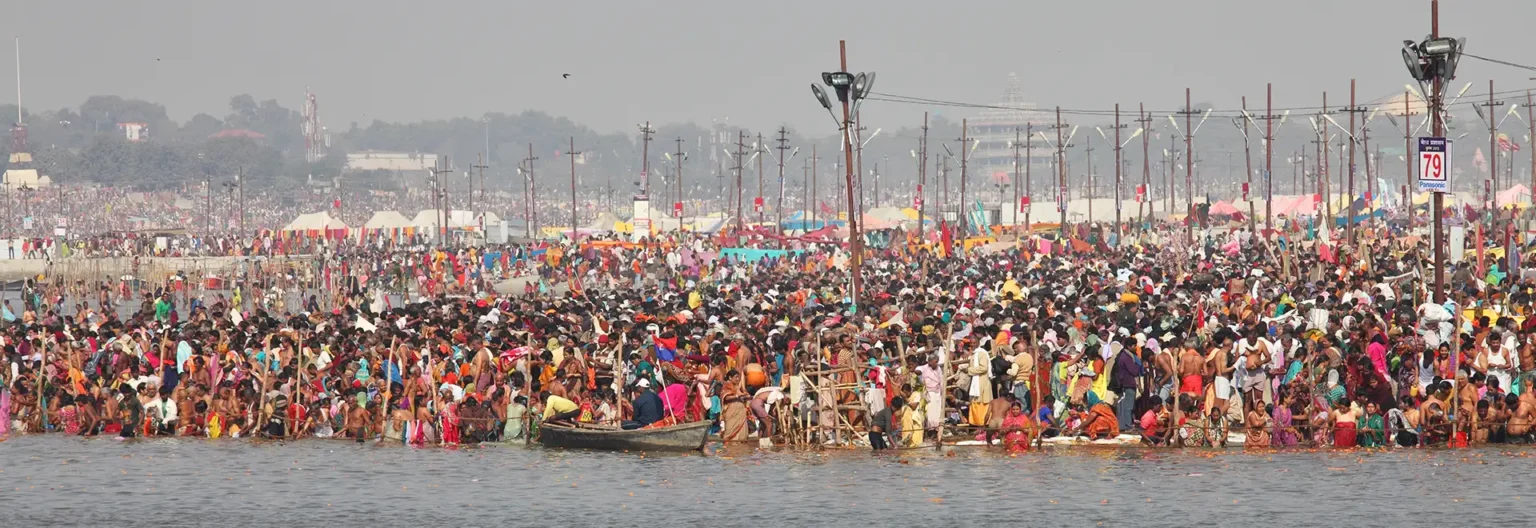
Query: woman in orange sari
{"x": 1100, "y": 421}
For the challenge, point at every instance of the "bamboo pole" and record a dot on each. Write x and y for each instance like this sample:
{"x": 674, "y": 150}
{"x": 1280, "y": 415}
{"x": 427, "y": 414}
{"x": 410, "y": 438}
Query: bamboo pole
{"x": 949, "y": 333}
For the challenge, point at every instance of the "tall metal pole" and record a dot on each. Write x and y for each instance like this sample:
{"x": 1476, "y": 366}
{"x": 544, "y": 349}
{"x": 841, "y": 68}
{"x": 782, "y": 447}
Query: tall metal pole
{"x": 810, "y": 195}
{"x": 1061, "y": 176}
{"x": 240, "y": 177}
{"x": 1088, "y": 155}
{"x": 645, "y": 158}
{"x": 1248, "y": 169}
{"x": 480, "y": 166}
{"x": 533, "y": 210}
{"x": 1531, "y": 139}
{"x": 1146, "y": 163}
{"x": 1493, "y": 158}
{"x": 1349, "y": 207}
{"x": 922, "y": 178}
{"x": 1189, "y": 167}
{"x": 855, "y": 240}
{"x": 760, "y": 203}
{"x": 778, "y": 210}
{"x": 1408, "y": 158}
{"x": 1016, "y": 204}
{"x": 964, "y": 148}
{"x": 858, "y": 144}
{"x": 1029, "y": 183}
{"x": 1118, "y": 229}
{"x": 1269, "y": 158}
{"x": 741, "y": 137}
{"x": 1326, "y": 177}
{"x": 1439, "y": 131}
{"x": 679, "y": 207}
{"x": 572, "y": 154}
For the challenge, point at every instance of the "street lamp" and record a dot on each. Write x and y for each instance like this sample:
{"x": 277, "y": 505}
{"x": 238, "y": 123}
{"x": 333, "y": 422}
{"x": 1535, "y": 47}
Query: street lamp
{"x": 1432, "y": 62}
{"x": 850, "y": 89}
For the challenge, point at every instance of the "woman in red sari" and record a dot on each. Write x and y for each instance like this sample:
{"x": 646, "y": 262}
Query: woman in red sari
{"x": 1344, "y": 420}
{"x": 1016, "y": 429}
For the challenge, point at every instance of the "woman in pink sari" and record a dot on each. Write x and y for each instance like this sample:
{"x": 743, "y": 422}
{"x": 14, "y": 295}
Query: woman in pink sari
{"x": 5, "y": 412}
{"x": 1016, "y": 429}
{"x": 674, "y": 401}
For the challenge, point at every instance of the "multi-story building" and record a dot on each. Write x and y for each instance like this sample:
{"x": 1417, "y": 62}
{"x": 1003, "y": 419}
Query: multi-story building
{"x": 991, "y": 163}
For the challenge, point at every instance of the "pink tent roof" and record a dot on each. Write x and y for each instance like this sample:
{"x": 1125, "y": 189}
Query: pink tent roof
{"x": 1514, "y": 195}
{"x": 870, "y": 223}
{"x": 1295, "y": 206}
{"x": 1224, "y": 208}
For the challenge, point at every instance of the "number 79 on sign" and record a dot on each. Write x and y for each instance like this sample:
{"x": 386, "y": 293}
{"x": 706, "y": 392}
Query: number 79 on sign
{"x": 1433, "y": 172}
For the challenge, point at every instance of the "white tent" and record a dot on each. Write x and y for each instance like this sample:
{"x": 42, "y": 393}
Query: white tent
{"x": 387, "y": 220}
{"x": 604, "y": 223}
{"x": 314, "y": 222}
{"x": 430, "y": 218}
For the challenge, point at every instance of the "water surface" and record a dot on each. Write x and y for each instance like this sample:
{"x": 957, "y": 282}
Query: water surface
{"x": 52, "y": 480}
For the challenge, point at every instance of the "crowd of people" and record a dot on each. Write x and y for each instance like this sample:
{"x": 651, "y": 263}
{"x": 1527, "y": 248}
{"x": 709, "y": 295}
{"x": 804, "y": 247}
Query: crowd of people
{"x": 1149, "y": 336}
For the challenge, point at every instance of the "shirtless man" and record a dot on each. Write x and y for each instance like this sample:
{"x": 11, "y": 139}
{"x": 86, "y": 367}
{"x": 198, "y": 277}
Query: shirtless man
{"x": 1436, "y": 426}
{"x": 1191, "y": 372}
{"x": 1162, "y": 376}
{"x": 1257, "y": 364}
{"x": 1219, "y": 366}
{"x": 357, "y": 419}
{"x": 1520, "y": 424}
{"x": 1467, "y": 395}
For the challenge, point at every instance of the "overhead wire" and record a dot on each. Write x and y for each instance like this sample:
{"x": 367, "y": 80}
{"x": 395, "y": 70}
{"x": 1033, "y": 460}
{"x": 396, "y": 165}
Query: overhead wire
{"x": 1515, "y": 95}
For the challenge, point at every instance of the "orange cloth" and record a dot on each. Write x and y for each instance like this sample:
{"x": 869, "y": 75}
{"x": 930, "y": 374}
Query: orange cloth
{"x": 1101, "y": 422}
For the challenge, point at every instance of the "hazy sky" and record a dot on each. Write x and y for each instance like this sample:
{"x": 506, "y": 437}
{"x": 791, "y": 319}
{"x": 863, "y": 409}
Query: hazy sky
{"x": 750, "y": 61}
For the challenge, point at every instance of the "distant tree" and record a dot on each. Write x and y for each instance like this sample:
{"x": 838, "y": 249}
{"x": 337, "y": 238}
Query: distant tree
{"x": 199, "y": 128}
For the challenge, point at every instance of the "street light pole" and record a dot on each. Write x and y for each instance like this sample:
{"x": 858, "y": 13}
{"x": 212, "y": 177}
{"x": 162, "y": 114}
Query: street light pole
{"x": 851, "y": 90}
{"x": 855, "y": 240}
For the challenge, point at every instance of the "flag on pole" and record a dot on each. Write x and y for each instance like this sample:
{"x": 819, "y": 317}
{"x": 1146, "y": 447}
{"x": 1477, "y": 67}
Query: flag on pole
{"x": 666, "y": 348}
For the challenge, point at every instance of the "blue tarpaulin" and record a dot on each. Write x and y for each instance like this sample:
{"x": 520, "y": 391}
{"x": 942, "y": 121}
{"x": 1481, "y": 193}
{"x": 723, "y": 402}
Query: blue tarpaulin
{"x": 754, "y": 255}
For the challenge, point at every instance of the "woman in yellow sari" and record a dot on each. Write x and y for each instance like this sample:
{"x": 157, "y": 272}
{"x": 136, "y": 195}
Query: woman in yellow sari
{"x": 733, "y": 414}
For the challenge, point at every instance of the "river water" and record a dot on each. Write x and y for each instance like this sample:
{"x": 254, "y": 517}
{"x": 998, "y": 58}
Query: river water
{"x": 54, "y": 480}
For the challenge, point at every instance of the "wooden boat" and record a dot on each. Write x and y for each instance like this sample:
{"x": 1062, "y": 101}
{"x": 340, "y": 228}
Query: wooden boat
{"x": 684, "y": 437}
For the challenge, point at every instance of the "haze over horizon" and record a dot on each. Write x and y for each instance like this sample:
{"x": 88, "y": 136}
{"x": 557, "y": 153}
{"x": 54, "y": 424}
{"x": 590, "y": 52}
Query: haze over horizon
{"x": 692, "y": 61}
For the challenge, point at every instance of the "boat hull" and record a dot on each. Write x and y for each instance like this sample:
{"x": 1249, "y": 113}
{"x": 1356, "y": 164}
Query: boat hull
{"x": 685, "y": 437}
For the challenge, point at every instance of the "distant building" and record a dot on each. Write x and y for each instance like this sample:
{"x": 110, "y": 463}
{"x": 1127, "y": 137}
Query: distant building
{"x": 372, "y": 160}
{"x": 20, "y": 172}
{"x": 994, "y": 130}
{"x": 134, "y": 132}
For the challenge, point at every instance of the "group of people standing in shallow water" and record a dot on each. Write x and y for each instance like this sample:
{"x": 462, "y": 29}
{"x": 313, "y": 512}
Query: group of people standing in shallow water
{"x": 1275, "y": 342}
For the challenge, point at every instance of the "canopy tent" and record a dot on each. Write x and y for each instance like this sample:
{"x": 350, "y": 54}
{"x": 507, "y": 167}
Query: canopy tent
{"x": 605, "y": 222}
{"x": 320, "y": 221}
{"x": 387, "y": 220}
{"x": 894, "y": 215}
{"x": 800, "y": 221}
{"x": 1295, "y": 206}
{"x": 872, "y": 223}
{"x": 457, "y": 219}
{"x": 1519, "y": 194}
{"x": 1224, "y": 208}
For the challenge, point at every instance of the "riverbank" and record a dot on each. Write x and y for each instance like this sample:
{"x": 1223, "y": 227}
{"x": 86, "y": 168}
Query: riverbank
{"x": 115, "y": 267}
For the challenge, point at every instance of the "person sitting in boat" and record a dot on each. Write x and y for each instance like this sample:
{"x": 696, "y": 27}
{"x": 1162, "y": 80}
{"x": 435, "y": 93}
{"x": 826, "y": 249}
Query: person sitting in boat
{"x": 647, "y": 406}
{"x": 558, "y": 409}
